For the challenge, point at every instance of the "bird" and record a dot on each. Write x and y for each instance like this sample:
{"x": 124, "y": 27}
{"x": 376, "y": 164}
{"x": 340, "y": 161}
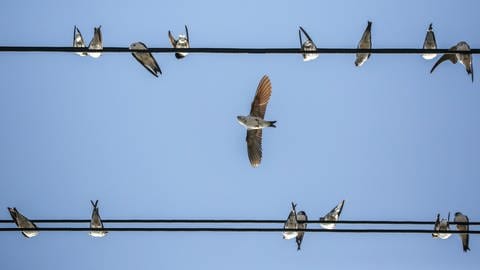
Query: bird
{"x": 333, "y": 215}
{"x": 308, "y": 45}
{"x": 78, "y": 41}
{"x": 254, "y": 122}
{"x": 429, "y": 43}
{"x": 365, "y": 43}
{"x": 461, "y": 218}
{"x": 145, "y": 58}
{"x": 441, "y": 228}
{"x": 464, "y": 58}
{"x": 96, "y": 222}
{"x": 302, "y": 225}
{"x": 96, "y": 42}
{"x": 183, "y": 41}
{"x": 23, "y": 223}
{"x": 291, "y": 224}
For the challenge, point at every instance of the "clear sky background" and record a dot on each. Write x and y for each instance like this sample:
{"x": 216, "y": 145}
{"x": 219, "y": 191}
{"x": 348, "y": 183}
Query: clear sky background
{"x": 391, "y": 139}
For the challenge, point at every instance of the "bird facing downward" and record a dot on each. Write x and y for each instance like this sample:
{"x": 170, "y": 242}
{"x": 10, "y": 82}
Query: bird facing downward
{"x": 461, "y": 218}
{"x": 145, "y": 58}
{"x": 464, "y": 58}
{"x": 254, "y": 122}
{"x": 23, "y": 223}
{"x": 364, "y": 43}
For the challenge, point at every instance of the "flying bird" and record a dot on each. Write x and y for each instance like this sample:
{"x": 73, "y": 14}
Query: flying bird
{"x": 333, "y": 215}
{"x": 429, "y": 43}
{"x": 302, "y": 225}
{"x": 291, "y": 224}
{"x": 464, "y": 58}
{"x": 78, "y": 41}
{"x": 306, "y": 46}
{"x": 145, "y": 58}
{"x": 365, "y": 43}
{"x": 441, "y": 228}
{"x": 23, "y": 223}
{"x": 96, "y": 42}
{"x": 96, "y": 222}
{"x": 182, "y": 42}
{"x": 254, "y": 122}
{"x": 461, "y": 218}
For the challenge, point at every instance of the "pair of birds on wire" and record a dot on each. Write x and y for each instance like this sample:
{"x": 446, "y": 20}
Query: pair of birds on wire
{"x": 366, "y": 43}
{"x": 442, "y": 228}
{"x": 30, "y": 229}
{"x": 145, "y": 58}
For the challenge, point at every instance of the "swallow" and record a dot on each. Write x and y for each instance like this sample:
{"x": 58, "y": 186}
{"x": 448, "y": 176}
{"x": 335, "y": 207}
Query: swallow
{"x": 365, "y": 43}
{"x": 333, "y": 215}
{"x": 23, "y": 223}
{"x": 291, "y": 224}
{"x": 145, "y": 58}
{"x": 96, "y": 42}
{"x": 183, "y": 42}
{"x": 441, "y": 227}
{"x": 461, "y": 218}
{"x": 308, "y": 45}
{"x": 96, "y": 222}
{"x": 302, "y": 225}
{"x": 429, "y": 43}
{"x": 254, "y": 122}
{"x": 464, "y": 58}
{"x": 78, "y": 41}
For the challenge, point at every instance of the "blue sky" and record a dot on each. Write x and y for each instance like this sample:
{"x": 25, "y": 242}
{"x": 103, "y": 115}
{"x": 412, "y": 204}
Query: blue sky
{"x": 391, "y": 139}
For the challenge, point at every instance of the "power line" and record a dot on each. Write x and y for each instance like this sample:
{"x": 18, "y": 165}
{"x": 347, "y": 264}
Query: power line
{"x": 235, "y": 50}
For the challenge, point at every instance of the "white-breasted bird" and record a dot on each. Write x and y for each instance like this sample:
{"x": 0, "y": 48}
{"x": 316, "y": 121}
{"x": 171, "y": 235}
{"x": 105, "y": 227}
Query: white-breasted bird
{"x": 291, "y": 224}
{"x": 306, "y": 46}
{"x": 183, "y": 42}
{"x": 333, "y": 215}
{"x": 464, "y": 58}
{"x": 429, "y": 43}
{"x": 254, "y": 122}
{"x": 78, "y": 41}
{"x": 145, "y": 58}
{"x": 96, "y": 222}
{"x": 23, "y": 223}
{"x": 461, "y": 218}
{"x": 364, "y": 43}
{"x": 96, "y": 43}
{"x": 302, "y": 225}
{"x": 441, "y": 227}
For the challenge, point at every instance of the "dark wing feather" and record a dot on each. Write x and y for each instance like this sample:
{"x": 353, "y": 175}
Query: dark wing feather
{"x": 172, "y": 39}
{"x": 445, "y": 57}
{"x": 254, "y": 146}
{"x": 155, "y": 67}
{"x": 186, "y": 33}
{"x": 305, "y": 32}
{"x": 262, "y": 96}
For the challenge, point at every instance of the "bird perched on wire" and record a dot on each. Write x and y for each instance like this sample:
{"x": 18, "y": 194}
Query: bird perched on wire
{"x": 333, "y": 215}
{"x": 78, "y": 41}
{"x": 96, "y": 43}
{"x": 145, "y": 58}
{"x": 302, "y": 225}
{"x": 441, "y": 227}
{"x": 183, "y": 42}
{"x": 306, "y": 46}
{"x": 464, "y": 58}
{"x": 96, "y": 222}
{"x": 295, "y": 221}
{"x": 23, "y": 223}
{"x": 461, "y": 218}
{"x": 364, "y": 43}
{"x": 429, "y": 43}
{"x": 254, "y": 122}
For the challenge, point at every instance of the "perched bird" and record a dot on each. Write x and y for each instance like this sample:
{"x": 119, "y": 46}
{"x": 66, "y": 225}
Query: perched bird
{"x": 461, "y": 218}
{"x": 429, "y": 43}
{"x": 441, "y": 228}
{"x": 183, "y": 41}
{"x": 254, "y": 122}
{"x": 464, "y": 58}
{"x": 96, "y": 42}
{"x": 306, "y": 46}
{"x": 291, "y": 224}
{"x": 78, "y": 41}
{"x": 96, "y": 222}
{"x": 333, "y": 215}
{"x": 365, "y": 43}
{"x": 145, "y": 58}
{"x": 23, "y": 223}
{"x": 302, "y": 225}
